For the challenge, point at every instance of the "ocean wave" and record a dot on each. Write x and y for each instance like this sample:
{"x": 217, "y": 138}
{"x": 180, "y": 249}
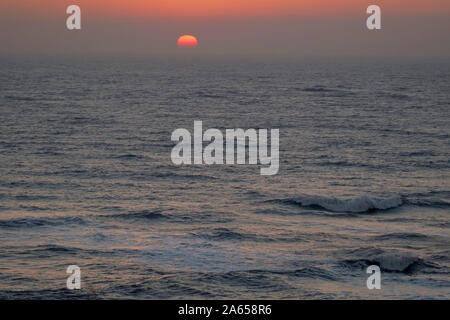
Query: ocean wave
{"x": 142, "y": 214}
{"x": 129, "y": 156}
{"x": 331, "y": 92}
{"x": 50, "y": 294}
{"x": 18, "y": 98}
{"x": 399, "y": 96}
{"x": 430, "y": 202}
{"x": 312, "y": 273}
{"x": 391, "y": 260}
{"x": 203, "y": 94}
{"x": 182, "y": 176}
{"x": 40, "y": 222}
{"x": 402, "y": 236}
{"x": 55, "y": 249}
{"x": 225, "y": 234}
{"x": 443, "y": 224}
{"x": 404, "y": 262}
{"x": 318, "y": 89}
{"x": 265, "y": 278}
{"x": 360, "y": 204}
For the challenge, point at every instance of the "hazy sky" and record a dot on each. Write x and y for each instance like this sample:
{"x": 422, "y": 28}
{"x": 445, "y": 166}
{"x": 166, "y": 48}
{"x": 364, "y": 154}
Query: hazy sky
{"x": 227, "y": 27}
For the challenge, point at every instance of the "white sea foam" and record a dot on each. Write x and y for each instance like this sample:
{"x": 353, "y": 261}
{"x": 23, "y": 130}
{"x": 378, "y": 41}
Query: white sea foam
{"x": 392, "y": 260}
{"x": 356, "y": 205}
{"x": 395, "y": 261}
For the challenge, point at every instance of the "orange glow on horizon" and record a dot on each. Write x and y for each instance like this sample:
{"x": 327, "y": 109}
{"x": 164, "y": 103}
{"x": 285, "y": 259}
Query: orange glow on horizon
{"x": 210, "y": 9}
{"x": 248, "y": 8}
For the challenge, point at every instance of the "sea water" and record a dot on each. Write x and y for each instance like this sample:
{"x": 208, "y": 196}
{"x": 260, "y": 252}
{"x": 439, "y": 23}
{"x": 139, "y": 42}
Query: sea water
{"x": 87, "y": 179}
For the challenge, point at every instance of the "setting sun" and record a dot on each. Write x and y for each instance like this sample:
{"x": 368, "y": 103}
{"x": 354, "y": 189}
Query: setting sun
{"x": 187, "y": 41}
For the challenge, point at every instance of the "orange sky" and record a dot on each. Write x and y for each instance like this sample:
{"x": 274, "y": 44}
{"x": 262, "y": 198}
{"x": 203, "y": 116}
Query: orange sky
{"x": 205, "y": 8}
{"x": 241, "y": 27}
{"x": 224, "y": 8}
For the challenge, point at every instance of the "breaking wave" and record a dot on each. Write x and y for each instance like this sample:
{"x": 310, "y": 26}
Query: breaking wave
{"x": 389, "y": 261}
{"x": 360, "y": 204}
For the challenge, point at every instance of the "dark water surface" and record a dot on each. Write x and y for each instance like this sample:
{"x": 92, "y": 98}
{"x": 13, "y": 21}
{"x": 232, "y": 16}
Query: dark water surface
{"x": 86, "y": 179}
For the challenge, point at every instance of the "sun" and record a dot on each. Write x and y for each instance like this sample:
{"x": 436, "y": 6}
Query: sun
{"x": 187, "y": 41}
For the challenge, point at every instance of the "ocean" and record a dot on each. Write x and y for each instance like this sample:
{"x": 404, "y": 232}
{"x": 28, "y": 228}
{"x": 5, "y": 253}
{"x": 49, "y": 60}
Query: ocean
{"x": 86, "y": 179}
